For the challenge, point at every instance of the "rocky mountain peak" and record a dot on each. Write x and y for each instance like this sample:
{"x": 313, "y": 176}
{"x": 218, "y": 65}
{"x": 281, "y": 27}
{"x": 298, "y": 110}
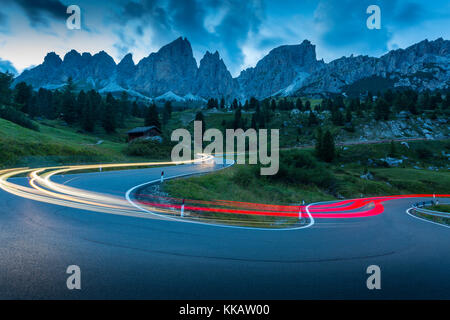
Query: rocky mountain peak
{"x": 285, "y": 70}
{"x": 279, "y": 69}
{"x": 180, "y": 47}
{"x": 127, "y": 61}
{"x": 72, "y": 57}
{"x": 52, "y": 59}
{"x": 214, "y": 79}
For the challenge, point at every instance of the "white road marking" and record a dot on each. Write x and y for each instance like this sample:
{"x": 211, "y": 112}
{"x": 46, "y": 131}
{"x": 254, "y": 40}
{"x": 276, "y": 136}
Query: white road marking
{"x": 426, "y": 220}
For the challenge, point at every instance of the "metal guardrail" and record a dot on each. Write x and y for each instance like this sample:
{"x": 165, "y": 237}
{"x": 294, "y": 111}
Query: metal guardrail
{"x": 419, "y": 207}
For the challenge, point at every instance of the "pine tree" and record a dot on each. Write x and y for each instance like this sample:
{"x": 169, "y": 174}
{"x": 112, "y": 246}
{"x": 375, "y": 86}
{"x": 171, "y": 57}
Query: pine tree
{"x": 312, "y": 119}
{"x": 6, "y": 80}
{"x": 152, "y": 117}
{"x": 382, "y": 109}
{"x": 299, "y": 104}
{"x": 273, "y": 105}
{"x": 68, "y": 103}
{"x": 237, "y": 122}
{"x": 200, "y": 117}
{"x": 22, "y": 96}
{"x": 254, "y": 122}
{"x": 87, "y": 112}
{"x": 253, "y": 104}
{"x": 392, "y": 149}
{"x": 246, "y": 105}
{"x": 234, "y": 105}
{"x": 328, "y": 147}
{"x": 319, "y": 143}
{"x": 167, "y": 112}
{"x": 308, "y": 105}
{"x": 348, "y": 115}
{"x": 109, "y": 116}
{"x": 336, "y": 117}
{"x": 135, "y": 112}
{"x": 124, "y": 106}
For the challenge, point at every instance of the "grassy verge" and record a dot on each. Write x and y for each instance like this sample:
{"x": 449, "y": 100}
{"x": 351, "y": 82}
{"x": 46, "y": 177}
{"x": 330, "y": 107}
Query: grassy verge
{"x": 302, "y": 177}
{"x": 440, "y": 208}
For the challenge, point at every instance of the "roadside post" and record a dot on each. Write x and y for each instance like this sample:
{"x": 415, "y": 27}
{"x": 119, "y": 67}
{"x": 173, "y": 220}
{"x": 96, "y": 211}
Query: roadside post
{"x": 182, "y": 209}
{"x": 300, "y": 213}
{"x": 162, "y": 176}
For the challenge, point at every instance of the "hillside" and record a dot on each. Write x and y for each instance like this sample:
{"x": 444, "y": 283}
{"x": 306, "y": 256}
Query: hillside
{"x": 56, "y": 144}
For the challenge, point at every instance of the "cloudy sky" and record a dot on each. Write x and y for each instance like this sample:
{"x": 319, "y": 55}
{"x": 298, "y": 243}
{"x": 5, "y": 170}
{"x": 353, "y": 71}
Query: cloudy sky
{"x": 243, "y": 31}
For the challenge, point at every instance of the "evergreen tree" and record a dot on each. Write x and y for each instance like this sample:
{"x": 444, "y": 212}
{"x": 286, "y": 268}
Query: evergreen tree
{"x": 68, "y": 106}
{"x": 135, "y": 112}
{"x": 328, "y": 147}
{"x": 22, "y": 96}
{"x": 152, "y": 117}
{"x": 124, "y": 106}
{"x": 299, "y": 104}
{"x": 200, "y": 117}
{"x": 308, "y": 105}
{"x": 234, "y": 105}
{"x": 253, "y": 104}
{"x": 87, "y": 112}
{"x": 167, "y": 112}
{"x": 273, "y": 105}
{"x": 382, "y": 109}
{"x": 312, "y": 119}
{"x": 237, "y": 122}
{"x": 210, "y": 104}
{"x": 392, "y": 149}
{"x": 336, "y": 117}
{"x": 6, "y": 80}
{"x": 222, "y": 103}
{"x": 348, "y": 115}
{"x": 254, "y": 122}
{"x": 109, "y": 115}
{"x": 319, "y": 143}
{"x": 446, "y": 102}
{"x": 246, "y": 105}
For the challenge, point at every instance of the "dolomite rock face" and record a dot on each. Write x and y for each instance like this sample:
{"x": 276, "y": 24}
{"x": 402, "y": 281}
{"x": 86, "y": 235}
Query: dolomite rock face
{"x": 172, "y": 68}
{"x": 278, "y": 70}
{"x": 214, "y": 79}
{"x": 425, "y": 65}
{"x": 284, "y": 71}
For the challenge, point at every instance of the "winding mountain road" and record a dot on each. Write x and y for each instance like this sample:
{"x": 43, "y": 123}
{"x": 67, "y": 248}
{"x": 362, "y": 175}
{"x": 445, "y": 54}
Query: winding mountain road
{"x": 127, "y": 257}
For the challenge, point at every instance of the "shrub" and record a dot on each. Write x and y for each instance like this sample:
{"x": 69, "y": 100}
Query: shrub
{"x": 244, "y": 176}
{"x": 140, "y": 147}
{"x": 17, "y": 117}
{"x": 423, "y": 152}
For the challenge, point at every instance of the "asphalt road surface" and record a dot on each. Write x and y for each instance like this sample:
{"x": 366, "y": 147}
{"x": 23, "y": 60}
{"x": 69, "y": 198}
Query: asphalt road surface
{"x": 133, "y": 258}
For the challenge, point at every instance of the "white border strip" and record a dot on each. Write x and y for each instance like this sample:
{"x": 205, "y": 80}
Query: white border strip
{"x": 426, "y": 220}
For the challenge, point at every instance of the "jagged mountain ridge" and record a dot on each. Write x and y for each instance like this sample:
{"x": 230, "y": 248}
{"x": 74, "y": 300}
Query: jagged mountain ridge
{"x": 285, "y": 70}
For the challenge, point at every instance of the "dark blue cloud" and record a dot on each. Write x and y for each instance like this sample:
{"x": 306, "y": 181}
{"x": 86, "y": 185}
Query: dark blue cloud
{"x": 40, "y": 11}
{"x": 411, "y": 13}
{"x": 344, "y": 24}
{"x": 337, "y": 27}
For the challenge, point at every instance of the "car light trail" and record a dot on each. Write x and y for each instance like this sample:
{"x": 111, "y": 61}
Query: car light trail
{"x": 42, "y": 188}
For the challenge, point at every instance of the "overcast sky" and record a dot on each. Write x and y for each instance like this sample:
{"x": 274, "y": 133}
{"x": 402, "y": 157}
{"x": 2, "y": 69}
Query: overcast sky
{"x": 242, "y": 31}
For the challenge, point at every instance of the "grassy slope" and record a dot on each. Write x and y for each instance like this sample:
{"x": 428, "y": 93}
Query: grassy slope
{"x": 440, "y": 207}
{"x": 348, "y": 183}
{"x": 57, "y": 144}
